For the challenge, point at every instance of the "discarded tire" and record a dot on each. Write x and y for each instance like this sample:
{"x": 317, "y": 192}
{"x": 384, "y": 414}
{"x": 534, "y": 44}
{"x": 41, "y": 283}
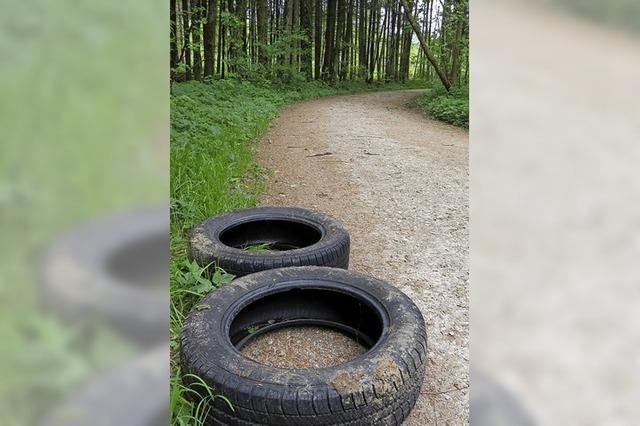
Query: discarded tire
{"x": 288, "y": 236}
{"x": 112, "y": 270}
{"x": 493, "y": 405}
{"x": 379, "y": 387}
{"x": 133, "y": 394}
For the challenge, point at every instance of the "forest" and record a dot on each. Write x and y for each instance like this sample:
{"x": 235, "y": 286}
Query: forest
{"x": 285, "y": 41}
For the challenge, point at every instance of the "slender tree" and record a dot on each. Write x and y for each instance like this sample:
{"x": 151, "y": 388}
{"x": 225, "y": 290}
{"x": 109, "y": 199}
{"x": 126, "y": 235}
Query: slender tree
{"x": 456, "y": 48}
{"x": 340, "y": 26}
{"x": 186, "y": 28}
{"x": 362, "y": 39}
{"x": 329, "y": 41}
{"x": 209, "y": 37}
{"x": 196, "y": 31}
{"x": 317, "y": 48}
{"x": 173, "y": 41}
{"x": 262, "y": 16}
{"x": 346, "y": 41}
{"x": 305, "y": 45}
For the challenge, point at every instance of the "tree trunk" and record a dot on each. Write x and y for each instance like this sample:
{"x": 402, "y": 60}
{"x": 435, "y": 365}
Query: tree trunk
{"x": 186, "y": 28}
{"x": 318, "y": 40}
{"x": 223, "y": 42}
{"x": 196, "y": 13}
{"x": 288, "y": 30}
{"x": 337, "y": 59}
{"x": 241, "y": 12}
{"x": 460, "y": 14}
{"x": 210, "y": 38}
{"x": 425, "y": 48}
{"x": 362, "y": 40}
{"x": 305, "y": 45}
{"x": 346, "y": 43}
{"x": 391, "y": 42}
{"x": 373, "y": 47}
{"x": 406, "y": 49}
{"x": 261, "y": 9}
{"x": 173, "y": 41}
{"x": 329, "y": 40}
{"x": 295, "y": 29}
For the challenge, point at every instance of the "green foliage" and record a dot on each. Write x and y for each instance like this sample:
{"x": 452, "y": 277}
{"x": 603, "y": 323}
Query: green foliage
{"x": 624, "y": 13}
{"x": 258, "y": 248}
{"x": 452, "y": 108}
{"x": 182, "y": 408}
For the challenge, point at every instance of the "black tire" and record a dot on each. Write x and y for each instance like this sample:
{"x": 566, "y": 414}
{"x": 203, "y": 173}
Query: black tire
{"x": 379, "y": 387}
{"x": 113, "y": 270}
{"x": 492, "y": 405}
{"x": 300, "y": 237}
{"x": 133, "y": 394}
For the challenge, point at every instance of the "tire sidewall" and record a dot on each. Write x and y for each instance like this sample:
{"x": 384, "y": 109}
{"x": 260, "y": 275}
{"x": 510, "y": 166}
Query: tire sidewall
{"x": 206, "y": 345}
{"x": 206, "y": 248}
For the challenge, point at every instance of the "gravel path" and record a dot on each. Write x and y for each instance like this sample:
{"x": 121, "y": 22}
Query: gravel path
{"x": 399, "y": 183}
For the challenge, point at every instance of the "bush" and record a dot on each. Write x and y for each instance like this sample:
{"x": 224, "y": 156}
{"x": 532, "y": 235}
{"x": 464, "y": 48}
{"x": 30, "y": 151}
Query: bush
{"x": 452, "y": 107}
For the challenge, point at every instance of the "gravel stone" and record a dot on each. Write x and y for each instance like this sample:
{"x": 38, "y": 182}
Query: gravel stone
{"x": 303, "y": 347}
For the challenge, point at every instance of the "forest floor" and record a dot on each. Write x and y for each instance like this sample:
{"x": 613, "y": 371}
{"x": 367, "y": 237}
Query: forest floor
{"x": 399, "y": 183}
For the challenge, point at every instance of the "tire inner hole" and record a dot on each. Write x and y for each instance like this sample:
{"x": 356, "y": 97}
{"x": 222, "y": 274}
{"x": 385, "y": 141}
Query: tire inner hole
{"x": 270, "y": 235}
{"x": 306, "y": 328}
{"x": 141, "y": 262}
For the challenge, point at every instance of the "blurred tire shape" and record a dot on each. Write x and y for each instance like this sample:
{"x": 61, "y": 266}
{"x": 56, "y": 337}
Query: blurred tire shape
{"x": 133, "y": 394}
{"x": 493, "y": 405}
{"x": 113, "y": 270}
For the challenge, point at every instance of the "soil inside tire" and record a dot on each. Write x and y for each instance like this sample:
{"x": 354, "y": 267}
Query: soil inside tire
{"x": 303, "y": 347}
{"x": 141, "y": 262}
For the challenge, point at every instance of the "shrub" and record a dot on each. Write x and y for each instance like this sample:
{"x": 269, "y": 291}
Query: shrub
{"x": 452, "y": 107}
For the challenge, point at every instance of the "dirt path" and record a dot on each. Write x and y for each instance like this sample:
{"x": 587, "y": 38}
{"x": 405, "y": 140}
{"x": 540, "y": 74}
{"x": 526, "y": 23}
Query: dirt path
{"x": 399, "y": 182}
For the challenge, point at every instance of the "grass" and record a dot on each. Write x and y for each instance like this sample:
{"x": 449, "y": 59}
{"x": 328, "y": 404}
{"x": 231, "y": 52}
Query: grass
{"x": 452, "y": 108}
{"x": 259, "y": 248}
{"x": 214, "y": 126}
{"x": 188, "y": 285}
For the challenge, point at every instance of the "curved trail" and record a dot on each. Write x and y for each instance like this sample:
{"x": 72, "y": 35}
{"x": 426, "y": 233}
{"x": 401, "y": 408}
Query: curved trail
{"x": 399, "y": 183}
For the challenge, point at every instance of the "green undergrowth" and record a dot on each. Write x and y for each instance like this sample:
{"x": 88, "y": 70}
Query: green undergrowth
{"x": 452, "y": 107}
{"x": 214, "y": 129}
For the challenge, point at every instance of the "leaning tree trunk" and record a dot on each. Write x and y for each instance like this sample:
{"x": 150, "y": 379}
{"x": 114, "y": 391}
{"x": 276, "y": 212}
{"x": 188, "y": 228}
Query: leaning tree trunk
{"x": 425, "y": 48}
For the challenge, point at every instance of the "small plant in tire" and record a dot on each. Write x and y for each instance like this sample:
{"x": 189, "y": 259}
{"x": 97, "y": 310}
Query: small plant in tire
{"x": 378, "y": 387}
{"x": 253, "y": 240}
